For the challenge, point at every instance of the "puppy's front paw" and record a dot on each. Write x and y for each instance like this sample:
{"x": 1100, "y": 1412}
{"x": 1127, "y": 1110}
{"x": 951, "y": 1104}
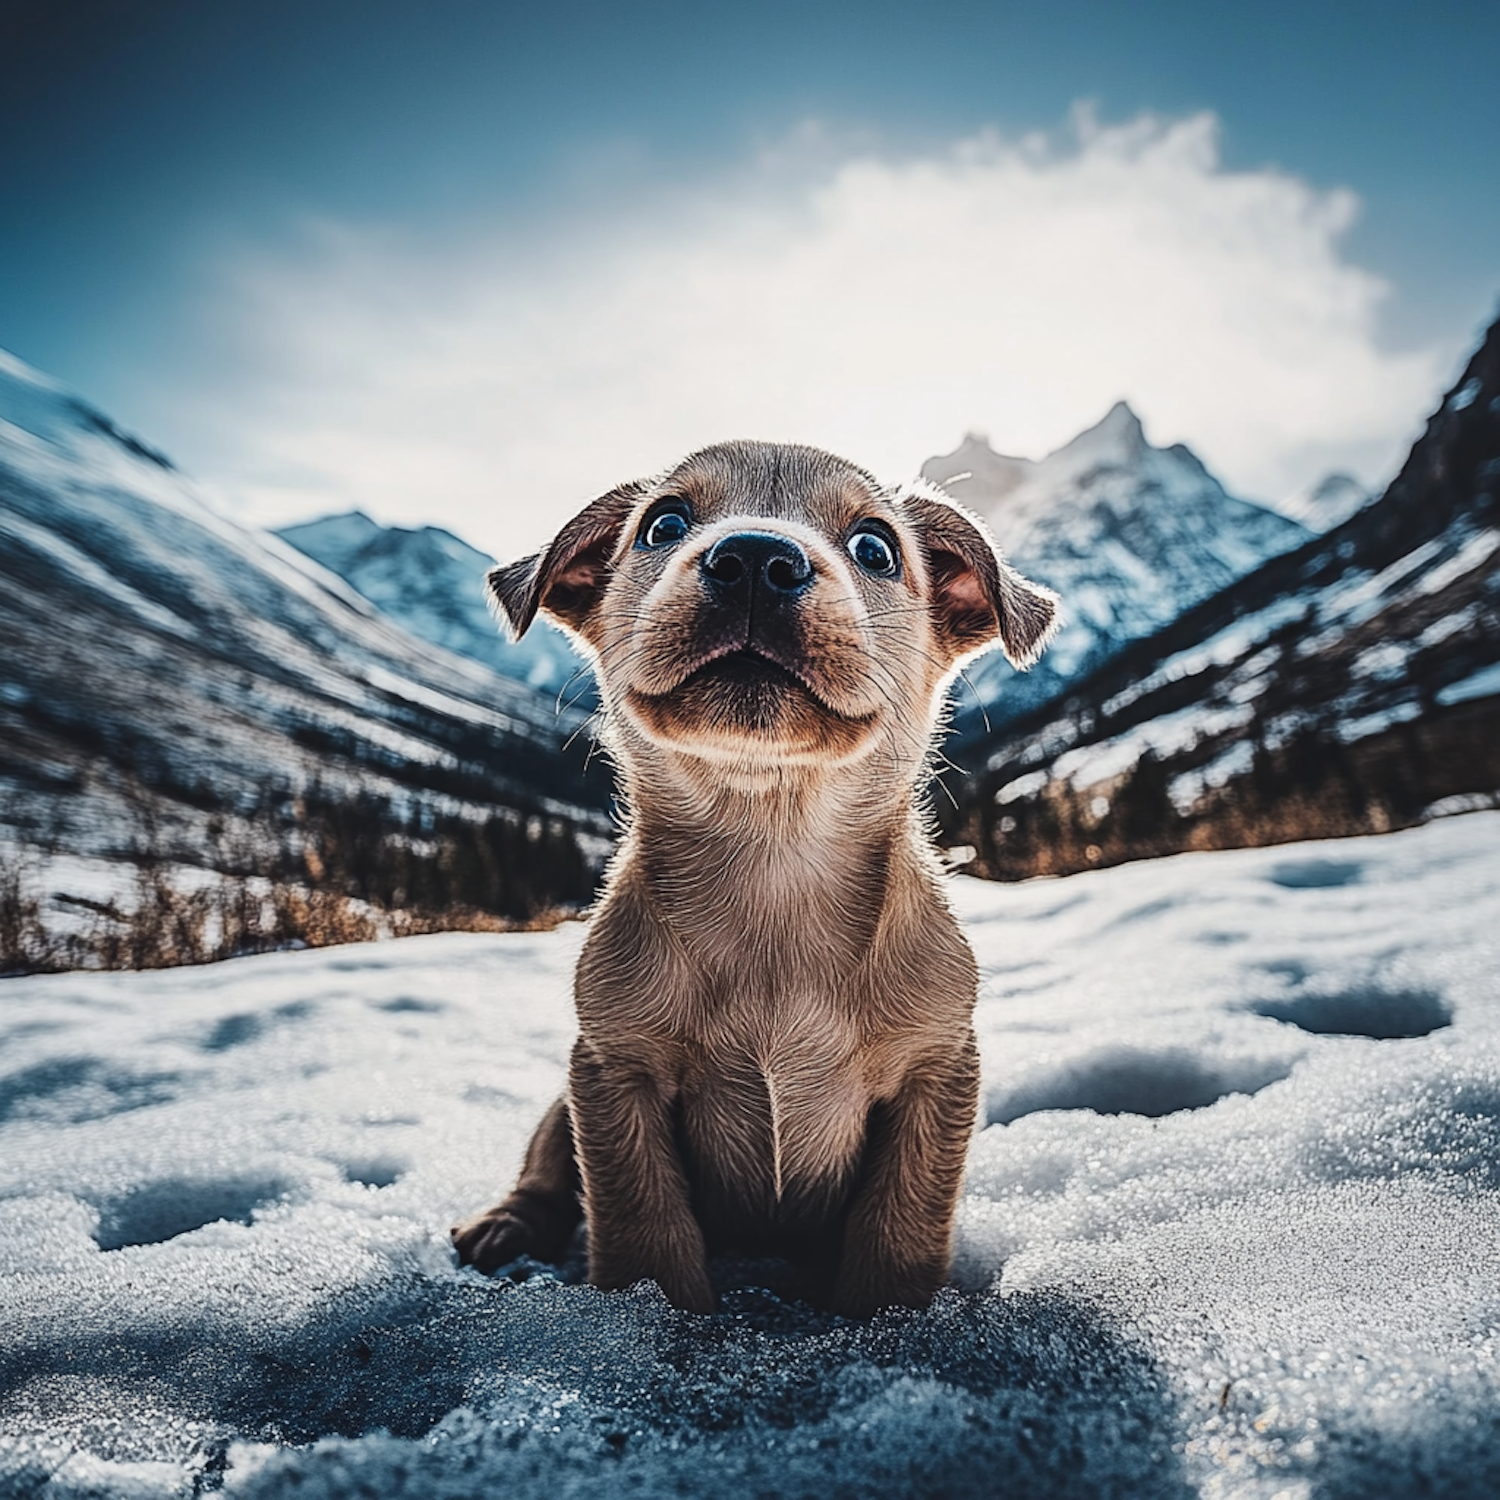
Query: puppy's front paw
{"x": 492, "y": 1240}
{"x": 863, "y": 1293}
{"x": 521, "y": 1225}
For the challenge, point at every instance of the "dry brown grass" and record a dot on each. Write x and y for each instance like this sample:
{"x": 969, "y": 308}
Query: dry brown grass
{"x": 471, "y": 919}
{"x": 167, "y": 921}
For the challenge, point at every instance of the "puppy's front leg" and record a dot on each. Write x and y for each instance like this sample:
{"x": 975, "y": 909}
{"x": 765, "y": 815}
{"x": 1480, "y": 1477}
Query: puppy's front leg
{"x": 898, "y": 1235}
{"x": 540, "y": 1214}
{"x": 635, "y": 1191}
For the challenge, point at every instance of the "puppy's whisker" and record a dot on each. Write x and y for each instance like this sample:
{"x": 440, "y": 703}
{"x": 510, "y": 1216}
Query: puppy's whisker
{"x": 568, "y": 743}
{"x": 572, "y": 702}
{"x": 574, "y": 676}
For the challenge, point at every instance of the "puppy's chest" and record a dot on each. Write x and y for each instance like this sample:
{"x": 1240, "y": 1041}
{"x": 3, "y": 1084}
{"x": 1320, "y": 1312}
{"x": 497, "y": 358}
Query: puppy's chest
{"x": 780, "y": 1092}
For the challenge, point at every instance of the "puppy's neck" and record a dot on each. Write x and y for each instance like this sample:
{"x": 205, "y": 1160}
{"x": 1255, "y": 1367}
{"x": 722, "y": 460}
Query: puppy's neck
{"x": 768, "y": 852}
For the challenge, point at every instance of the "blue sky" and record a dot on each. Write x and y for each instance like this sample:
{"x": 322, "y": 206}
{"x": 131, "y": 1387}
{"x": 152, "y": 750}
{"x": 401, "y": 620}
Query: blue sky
{"x": 460, "y": 261}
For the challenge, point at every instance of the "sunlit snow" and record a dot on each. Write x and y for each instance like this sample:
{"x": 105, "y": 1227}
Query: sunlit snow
{"x": 1232, "y": 1223}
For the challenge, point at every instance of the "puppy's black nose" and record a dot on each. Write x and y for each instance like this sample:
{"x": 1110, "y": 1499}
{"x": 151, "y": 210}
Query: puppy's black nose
{"x": 759, "y": 559}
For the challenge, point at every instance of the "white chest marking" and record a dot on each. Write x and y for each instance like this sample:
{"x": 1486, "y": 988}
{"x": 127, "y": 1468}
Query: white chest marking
{"x": 775, "y": 1129}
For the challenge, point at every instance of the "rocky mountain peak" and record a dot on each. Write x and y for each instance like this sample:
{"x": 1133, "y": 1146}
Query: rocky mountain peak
{"x": 1349, "y": 686}
{"x": 1326, "y": 504}
{"x": 1128, "y": 534}
{"x": 974, "y": 467}
{"x": 1118, "y": 439}
{"x": 979, "y": 476}
{"x": 432, "y": 583}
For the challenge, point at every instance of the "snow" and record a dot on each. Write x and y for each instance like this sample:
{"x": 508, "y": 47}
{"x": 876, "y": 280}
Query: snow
{"x": 1219, "y": 650}
{"x": 1129, "y": 535}
{"x": 1465, "y": 396}
{"x": 1230, "y": 1229}
{"x": 1187, "y": 790}
{"x": 90, "y": 575}
{"x": 1166, "y": 735}
{"x": 1481, "y": 684}
{"x": 1473, "y": 554}
{"x": 1386, "y": 661}
{"x": 1355, "y": 599}
{"x": 1023, "y": 786}
{"x": 1448, "y": 625}
{"x": 1349, "y": 730}
{"x": 1460, "y": 802}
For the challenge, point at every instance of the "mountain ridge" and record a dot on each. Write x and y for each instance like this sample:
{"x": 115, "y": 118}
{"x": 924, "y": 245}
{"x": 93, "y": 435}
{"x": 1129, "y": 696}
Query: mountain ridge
{"x": 432, "y": 583}
{"x": 1128, "y": 534}
{"x": 1346, "y": 687}
{"x": 177, "y": 687}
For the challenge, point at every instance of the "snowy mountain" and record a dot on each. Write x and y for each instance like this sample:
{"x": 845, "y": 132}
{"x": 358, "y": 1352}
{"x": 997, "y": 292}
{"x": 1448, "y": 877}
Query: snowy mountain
{"x": 173, "y": 682}
{"x": 1128, "y": 534}
{"x": 432, "y": 583}
{"x": 1328, "y": 503}
{"x": 1228, "y": 1231}
{"x": 1350, "y": 686}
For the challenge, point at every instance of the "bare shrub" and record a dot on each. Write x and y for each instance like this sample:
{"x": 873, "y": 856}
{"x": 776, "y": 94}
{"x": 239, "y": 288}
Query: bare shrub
{"x": 472, "y": 919}
{"x": 166, "y": 923}
{"x": 318, "y": 919}
{"x": 25, "y": 946}
{"x": 311, "y": 871}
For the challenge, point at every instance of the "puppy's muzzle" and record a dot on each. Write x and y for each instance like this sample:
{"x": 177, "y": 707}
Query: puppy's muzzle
{"x": 758, "y": 569}
{"x": 753, "y": 582}
{"x": 751, "y": 654}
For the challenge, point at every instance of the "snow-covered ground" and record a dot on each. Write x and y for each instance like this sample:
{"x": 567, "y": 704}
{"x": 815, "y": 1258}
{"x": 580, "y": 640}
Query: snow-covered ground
{"x": 1233, "y": 1228}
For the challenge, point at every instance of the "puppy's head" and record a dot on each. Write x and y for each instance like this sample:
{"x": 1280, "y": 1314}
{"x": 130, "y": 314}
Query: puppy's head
{"x": 773, "y": 603}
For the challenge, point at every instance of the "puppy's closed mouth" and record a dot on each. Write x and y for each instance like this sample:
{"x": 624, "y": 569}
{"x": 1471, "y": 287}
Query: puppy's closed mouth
{"x": 748, "y": 668}
{"x": 748, "y": 676}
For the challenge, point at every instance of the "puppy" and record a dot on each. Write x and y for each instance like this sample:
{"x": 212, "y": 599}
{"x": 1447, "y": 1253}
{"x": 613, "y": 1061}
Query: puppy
{"x": 775, "y": 1051}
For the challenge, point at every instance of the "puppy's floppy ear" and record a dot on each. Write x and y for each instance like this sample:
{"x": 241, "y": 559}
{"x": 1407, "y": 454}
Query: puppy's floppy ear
{"x": 567, "y": 579}
{"x": 976, "y": 595}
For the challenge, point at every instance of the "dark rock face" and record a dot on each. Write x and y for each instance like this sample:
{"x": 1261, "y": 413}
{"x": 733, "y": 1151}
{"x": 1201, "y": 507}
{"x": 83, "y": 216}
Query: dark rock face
{"x": 1350, "y": 686}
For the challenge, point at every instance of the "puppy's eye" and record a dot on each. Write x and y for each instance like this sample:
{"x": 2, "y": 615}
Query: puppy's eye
{"x": 665, "y": 523}
{"x": 875, "y": 552}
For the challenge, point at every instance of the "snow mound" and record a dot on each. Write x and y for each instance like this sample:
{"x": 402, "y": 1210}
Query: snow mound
{"x": 1230, "y": 1231}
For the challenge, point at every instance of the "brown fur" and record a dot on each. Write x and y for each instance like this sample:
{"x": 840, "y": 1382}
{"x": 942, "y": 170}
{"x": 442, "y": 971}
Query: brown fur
{"x": 775, "y": 1050}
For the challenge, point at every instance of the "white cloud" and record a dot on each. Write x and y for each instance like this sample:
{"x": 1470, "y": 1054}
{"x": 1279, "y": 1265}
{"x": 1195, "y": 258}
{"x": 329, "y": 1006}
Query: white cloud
{"x": 875, "y": 304}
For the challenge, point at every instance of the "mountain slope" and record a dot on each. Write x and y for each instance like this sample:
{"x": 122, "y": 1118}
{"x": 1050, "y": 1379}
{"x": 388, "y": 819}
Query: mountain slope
{"x": 1128, "y": 534}
{"x": 432, "y": 583}
{"x": 1347, "y": 687}
{"x": 174, "y": 681}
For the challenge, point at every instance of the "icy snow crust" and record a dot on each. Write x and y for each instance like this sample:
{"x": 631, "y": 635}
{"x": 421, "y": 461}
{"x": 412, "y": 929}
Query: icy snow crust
{"x": 1232, "y": 1227}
